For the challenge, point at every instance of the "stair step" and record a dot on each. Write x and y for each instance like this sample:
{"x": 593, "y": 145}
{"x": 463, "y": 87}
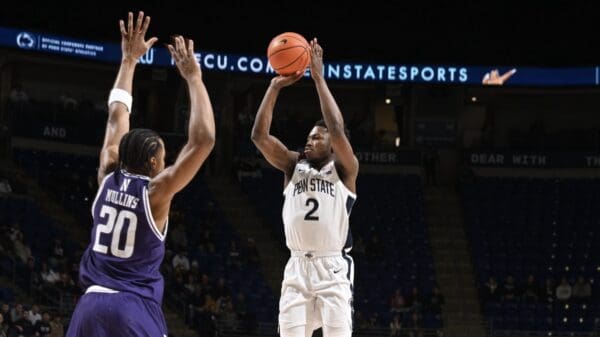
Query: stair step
{"x": 240, "y": 211}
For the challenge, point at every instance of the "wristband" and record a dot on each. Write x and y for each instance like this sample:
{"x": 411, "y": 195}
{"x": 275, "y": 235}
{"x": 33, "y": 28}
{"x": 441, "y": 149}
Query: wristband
{"x": 120, "y": 95}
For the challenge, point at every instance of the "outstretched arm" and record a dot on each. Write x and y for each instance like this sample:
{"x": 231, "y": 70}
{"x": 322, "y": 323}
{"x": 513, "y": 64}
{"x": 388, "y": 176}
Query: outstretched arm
{"x": 133, "y": 46}
{"x": 494, "y": 77}
{"x": 334, "y": 120}
{"x": 201, "y": 131}
{"x": 272, "y": 148}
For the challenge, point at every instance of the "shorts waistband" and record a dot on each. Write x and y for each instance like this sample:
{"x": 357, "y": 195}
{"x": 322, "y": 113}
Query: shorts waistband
{"x": 311, "y": 254}
{"x": 100, "y": 289}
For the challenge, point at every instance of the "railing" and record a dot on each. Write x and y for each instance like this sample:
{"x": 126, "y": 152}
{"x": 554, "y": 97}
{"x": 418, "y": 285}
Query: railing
{"x": 229, "y": 329}
{"x": 518, "y": 333}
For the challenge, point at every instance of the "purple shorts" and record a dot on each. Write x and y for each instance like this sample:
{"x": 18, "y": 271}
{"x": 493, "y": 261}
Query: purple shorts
{"x": 115, "y": 315}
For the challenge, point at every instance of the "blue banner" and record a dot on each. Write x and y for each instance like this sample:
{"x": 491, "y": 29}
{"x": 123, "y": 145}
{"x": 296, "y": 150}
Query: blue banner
{"x": 214, "y": 61}
{"x": 533, "y": 159}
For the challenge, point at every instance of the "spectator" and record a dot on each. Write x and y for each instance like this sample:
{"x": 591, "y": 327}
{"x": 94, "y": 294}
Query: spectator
{"x": 181, "y": 261}
{"x": 21, "y": 325}
{"x": 531, "y": 293}
{"x": 395, "y": 327}
{"x": 415, "y": 301}
{"x": 361, "y": 321}
{"x": 5, "y": 311}
{"x": 57, "y": 328}
{"x": 34, "y": 315}
{"x": 31, "y": 275}
{"x": 222, "y": 291}
{"x": 564, "y": 290}
{"x": 374, "y": 320}
{"x": 397, "y": 303}
{"x": 251, "y": 253}
{"x": 229, "y": 317}
{"x": 582, "y": 290}
{"x": 65, "y": 284}
{"x": 3, "y": 326}
{"x": 5, "y": 186}
{"x": 509, "y": 291}
{"x": 436, "y": 301}
{"x": 16, "y": 312}
{"x": 49, "y": 276}
{"x": 549, "y": 292}
{"x": 21, "y": 249}
{"x": 190, "y": 286}
{"x": 43, "y": 328}
{"x": 205, "y": 284}
{"x": 57, "y": 255}
{"x": 240, "y": 304}
{"x": 415, "y": 325}
{"x": 18, "y": 97}
{"x": 234, "y": 254}
{"x": 195, "y": 303}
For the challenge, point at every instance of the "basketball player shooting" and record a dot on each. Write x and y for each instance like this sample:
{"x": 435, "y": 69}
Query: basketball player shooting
{"x": 120, "y": 267}
{"x": 319, "y": 191}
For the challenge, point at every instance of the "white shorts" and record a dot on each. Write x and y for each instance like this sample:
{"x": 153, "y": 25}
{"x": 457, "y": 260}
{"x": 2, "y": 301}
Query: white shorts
{"x": 317, "y": 291}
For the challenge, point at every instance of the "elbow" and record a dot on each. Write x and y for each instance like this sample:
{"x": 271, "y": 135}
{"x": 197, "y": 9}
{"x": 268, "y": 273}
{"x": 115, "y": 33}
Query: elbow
{"x": 210, "y": 140}
{"x": 256, "y": 137}
{"x": 207, "y": 140}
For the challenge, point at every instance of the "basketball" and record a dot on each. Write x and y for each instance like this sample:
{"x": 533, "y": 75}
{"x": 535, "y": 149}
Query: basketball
{"x": 288, "y": 53}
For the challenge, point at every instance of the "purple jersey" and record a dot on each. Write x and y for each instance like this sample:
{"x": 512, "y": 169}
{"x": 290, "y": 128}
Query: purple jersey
{"x": 126, "y": 248}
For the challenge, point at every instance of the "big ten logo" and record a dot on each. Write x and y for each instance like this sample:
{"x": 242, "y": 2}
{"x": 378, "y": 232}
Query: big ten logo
{"x": 147, "y": 58}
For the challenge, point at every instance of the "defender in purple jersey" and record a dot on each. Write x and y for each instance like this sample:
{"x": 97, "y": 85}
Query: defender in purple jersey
{"x": 120, "y": 267}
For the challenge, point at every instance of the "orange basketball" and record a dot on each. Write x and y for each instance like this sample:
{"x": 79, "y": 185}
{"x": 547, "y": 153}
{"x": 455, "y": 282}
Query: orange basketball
{"x": 288, "y": 53}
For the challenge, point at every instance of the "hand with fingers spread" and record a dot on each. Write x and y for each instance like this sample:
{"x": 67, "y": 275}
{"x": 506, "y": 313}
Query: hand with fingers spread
{"x": 494, "y": 77}
{"x": 184, "y": 57}
{"x": 316, "y": 60}
{"x": 133, "y": 37}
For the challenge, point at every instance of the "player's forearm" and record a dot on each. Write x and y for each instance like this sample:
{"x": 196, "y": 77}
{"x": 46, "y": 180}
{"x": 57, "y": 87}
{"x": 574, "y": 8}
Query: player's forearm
{"x": 264, "y": 116}
{"x": 124, "y": 78}
{"x": 118, "y": 117}
{"x": 201, "y": 129}
{"x": 331, "y": 112}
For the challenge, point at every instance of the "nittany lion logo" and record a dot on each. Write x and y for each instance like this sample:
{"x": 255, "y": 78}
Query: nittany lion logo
{"x": 25, "y": 40}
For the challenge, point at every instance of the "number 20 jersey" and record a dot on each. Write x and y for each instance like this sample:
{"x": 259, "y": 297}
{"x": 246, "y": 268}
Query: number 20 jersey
{"x": 126, "y": 248}
{"x": 316, "y": 210}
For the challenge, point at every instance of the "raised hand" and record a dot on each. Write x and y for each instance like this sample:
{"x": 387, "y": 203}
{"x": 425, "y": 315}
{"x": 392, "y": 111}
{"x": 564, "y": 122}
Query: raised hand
{"x": 133, "y": 38}
{"x": 184, "y": 57}
{"x": 279, "y": 82}
{"x": 494, "y": 78}
{"x": 316, "y": 60}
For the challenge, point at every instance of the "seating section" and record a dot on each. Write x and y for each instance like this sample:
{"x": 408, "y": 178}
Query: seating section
{"x": 72, "y": 180}
{"x": 538, "y": 229}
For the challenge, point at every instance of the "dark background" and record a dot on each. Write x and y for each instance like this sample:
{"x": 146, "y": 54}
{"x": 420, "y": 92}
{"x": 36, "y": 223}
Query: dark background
{"x": 550, "y": 33}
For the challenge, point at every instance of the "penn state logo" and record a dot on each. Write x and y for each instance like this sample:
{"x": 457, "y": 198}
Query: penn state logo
{"x": 25, "y": 40}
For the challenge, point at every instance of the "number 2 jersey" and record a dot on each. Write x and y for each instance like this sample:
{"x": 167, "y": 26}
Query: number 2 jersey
{"x": 316, "y": 209}
{"x": 126, "y": 248}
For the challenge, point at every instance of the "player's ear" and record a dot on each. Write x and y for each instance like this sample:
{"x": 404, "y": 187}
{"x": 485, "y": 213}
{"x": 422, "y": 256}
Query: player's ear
{"x": 153, "y": 162}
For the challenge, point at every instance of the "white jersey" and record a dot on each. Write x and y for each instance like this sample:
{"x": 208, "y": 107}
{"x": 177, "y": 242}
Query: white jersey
{"x": 316, "y": 210}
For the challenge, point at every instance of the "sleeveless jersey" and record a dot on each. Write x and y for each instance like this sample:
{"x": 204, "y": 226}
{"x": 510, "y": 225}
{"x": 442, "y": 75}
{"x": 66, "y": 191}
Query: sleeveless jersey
{"x": 126, "y": 248}
{"x": 316, "y": 209}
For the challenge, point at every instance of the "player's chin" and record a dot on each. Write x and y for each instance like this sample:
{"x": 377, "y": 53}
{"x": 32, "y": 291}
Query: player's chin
{"x": 309, "y": 154}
